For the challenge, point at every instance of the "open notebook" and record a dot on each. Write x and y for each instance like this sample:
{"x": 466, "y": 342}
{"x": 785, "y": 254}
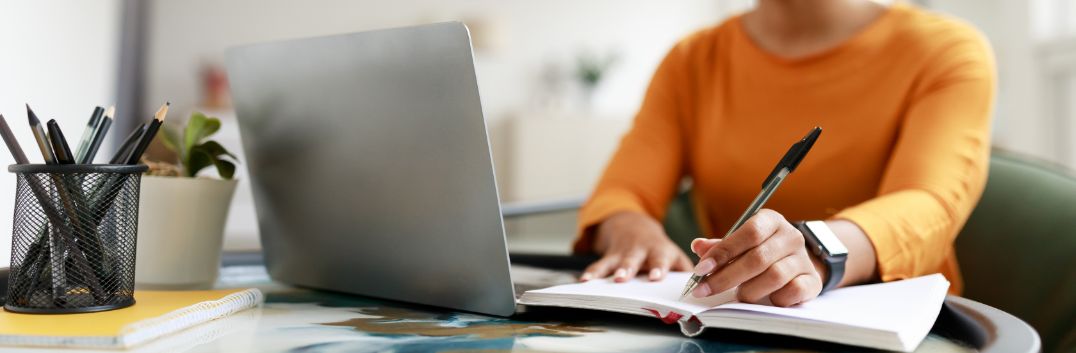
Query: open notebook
{"x": 154, "y": 315}
{"x": 894, "y": 315}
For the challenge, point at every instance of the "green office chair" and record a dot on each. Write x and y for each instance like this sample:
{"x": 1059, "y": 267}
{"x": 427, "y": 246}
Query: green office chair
{"x": 1017, "y": 251}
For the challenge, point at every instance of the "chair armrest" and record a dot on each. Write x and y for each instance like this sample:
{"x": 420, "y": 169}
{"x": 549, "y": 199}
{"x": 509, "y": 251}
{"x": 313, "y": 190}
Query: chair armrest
{"x": 531, "y": 208}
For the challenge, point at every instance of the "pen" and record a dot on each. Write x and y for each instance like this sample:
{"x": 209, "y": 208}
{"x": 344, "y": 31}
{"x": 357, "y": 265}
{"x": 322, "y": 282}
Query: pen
{"x": 12, "y": 143}
{"x": 99, "y": 133}
{"x": 57, "y": 245}
{"x": 127, "y": 145}
{"x": 87, "y": 135}
{"x": 59, "y": 144}
{"x": 148, "y": 135}
{"x": 40, "y": 136}
{"x": 36, "y": 249}
{"x": 784, "y": 167}
{"x": 59, "y": 237}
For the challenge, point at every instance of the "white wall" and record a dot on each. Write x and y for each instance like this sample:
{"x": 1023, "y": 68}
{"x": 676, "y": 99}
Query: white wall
{"x": 524, "y": 36}
{"x": 61, "y": 58}
{"x": 515, "y": 41}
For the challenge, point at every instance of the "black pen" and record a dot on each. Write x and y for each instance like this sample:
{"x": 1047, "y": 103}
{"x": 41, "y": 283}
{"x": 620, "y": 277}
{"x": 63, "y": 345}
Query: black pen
{"x": 87, "y": 135}
{"x": 99, "y": 133}
{"x": 41, "y": 137}
{"x": 59, "y": 144}
{"x": 785, "y": 166}
{"x": 12, "y": 143}
{"x": 148, "y": 135}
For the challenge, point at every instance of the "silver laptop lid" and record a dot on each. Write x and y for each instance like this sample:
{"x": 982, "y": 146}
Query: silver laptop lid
{"x": 371, "y": 166}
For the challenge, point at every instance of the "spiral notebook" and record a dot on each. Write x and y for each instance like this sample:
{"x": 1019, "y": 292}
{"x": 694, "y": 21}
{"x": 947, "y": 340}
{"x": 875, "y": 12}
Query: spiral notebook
{"x": 892, "y": 316}
{"x": 155, "y": 314}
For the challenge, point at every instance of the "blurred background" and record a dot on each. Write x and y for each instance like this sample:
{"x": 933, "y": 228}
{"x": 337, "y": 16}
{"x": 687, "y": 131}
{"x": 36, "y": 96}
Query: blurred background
{"x": 560, "y": 80}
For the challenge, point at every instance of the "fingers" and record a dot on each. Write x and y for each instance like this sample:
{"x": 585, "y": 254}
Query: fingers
{"x": 659, "y": 263}
{"x": 754, "y": 232}
{"x": 756, "y": 261}
{"x": 776, "y": 278}
{"x": 629, "y": 266}
{"x": 700, "y": 246}
{"x": 601, "y": 268}
{"x": 622, "y": 268}
{"x": 800, "y": 289}
{"x": 765, "y": 258}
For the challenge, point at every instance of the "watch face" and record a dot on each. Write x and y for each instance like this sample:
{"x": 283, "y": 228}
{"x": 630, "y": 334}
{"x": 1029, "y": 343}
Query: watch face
{"x": 831, "y": 246}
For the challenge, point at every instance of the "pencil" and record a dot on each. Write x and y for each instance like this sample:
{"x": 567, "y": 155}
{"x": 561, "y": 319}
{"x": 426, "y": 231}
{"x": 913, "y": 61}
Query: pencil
{"x": 59, "y": 144}
{"x": 127, "y": 145}
{"x": 99, "y": 133}
{"x": 12, "y": 143}
{"x": 87, "y": 135}
{"x": 40, "y": 136}
{"x": 148, "y": 135}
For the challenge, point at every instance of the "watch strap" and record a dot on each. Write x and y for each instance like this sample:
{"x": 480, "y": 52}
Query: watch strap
{"x": 834, "y": 266}
{"x": 836, "y": 273}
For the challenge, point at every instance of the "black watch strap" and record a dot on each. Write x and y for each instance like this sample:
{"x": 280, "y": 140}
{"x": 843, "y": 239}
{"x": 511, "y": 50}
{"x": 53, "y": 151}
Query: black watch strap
{"x": 816, "y": 246}
{"x": 836, "y": 273}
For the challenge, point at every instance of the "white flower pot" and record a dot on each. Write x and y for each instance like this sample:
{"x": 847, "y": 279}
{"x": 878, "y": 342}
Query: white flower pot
{"x": 181, "y": 231}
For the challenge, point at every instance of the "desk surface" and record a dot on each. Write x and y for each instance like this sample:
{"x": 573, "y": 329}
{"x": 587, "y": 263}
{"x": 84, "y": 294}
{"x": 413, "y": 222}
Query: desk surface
{"x": 300, "y": 320}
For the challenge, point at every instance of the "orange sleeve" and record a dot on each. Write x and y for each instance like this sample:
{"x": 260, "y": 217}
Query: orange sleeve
{"x": 644, "y": 172}
{"x": 938, "y": 167}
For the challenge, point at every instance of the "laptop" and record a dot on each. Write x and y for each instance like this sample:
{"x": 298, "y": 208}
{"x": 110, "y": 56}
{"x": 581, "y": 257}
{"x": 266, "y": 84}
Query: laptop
{"x": 371, "y": 168}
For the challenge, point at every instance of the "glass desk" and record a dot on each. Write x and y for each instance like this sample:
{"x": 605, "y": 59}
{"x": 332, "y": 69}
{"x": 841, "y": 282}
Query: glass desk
{"x": 297, "y": 320}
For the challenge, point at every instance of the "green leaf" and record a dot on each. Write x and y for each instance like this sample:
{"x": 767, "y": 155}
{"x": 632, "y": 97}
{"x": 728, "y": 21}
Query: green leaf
{"x": 199, "y": 159}
{"x": 211, "y": 152}
{"x": 215, "y": 149}
{"x": 225, "y": 168}
{"x": 198, "y": 128}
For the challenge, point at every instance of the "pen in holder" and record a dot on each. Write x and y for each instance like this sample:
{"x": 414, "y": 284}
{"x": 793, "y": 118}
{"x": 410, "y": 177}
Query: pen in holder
{"x": 73, "y": 239}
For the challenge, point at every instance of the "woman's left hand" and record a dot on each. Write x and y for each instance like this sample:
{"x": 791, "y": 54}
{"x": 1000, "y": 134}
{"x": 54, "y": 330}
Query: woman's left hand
{"x": 765, "y": 257}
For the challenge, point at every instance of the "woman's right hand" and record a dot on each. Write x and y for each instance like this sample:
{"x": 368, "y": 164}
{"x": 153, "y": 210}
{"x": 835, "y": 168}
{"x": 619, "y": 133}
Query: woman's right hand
{"x": 631, "y": 242}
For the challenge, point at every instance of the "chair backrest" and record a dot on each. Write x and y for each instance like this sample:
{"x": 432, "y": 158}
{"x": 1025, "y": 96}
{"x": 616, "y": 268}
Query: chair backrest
{"x": 1017, "y": 251}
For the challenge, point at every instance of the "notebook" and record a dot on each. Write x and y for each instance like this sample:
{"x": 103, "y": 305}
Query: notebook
{"x": 894, "y": 315}
{"x": 154, "y": 315}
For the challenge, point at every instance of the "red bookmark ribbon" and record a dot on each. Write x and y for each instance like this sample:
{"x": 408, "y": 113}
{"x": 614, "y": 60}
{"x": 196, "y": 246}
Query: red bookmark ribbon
{"x": 671, "y": 318}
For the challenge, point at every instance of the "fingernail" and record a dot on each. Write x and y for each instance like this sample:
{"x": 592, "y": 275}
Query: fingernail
{"x": 655, "y": 274}
{"x": 585, "y": 277}
{"x": 694, "y": 244}
{"x": 701, "y": 290}
{"x": 705, "y": 267}
{"x": 620, "y": 273}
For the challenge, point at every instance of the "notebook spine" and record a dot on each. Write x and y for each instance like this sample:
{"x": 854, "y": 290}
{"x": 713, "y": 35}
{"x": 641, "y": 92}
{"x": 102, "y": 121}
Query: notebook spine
{"x": 140, "y": 332}
{"x": 691, "y": 327}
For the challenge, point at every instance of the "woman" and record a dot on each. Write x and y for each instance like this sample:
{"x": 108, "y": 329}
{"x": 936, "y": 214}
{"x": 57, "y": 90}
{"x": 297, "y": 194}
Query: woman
{"x": 904, "y": 97}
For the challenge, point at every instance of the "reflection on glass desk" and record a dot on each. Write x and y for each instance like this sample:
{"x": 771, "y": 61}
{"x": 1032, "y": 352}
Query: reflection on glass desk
{"x": 301, "y": 320}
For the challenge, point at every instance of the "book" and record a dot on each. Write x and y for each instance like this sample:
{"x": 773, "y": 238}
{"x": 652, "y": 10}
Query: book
{"x": 893, "y": 315}
{"x": 155, "y": 314}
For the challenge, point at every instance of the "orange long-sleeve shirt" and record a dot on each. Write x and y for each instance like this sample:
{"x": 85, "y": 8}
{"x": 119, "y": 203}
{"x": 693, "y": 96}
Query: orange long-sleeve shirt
{"x": 905, "y": 106}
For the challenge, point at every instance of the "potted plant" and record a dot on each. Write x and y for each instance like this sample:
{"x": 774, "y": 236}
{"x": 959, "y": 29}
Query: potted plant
{"x": 181, "y": 214}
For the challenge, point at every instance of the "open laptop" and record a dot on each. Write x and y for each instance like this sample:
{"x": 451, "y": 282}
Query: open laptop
{"x": 371, "y": 167}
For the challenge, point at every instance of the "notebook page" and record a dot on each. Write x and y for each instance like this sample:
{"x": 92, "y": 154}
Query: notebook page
{"x": 665, "y": 292}
{"x": 908, "y": 307}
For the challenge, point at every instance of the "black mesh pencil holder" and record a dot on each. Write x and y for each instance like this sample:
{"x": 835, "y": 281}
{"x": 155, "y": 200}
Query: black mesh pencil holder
{"x": 73, "y": 238}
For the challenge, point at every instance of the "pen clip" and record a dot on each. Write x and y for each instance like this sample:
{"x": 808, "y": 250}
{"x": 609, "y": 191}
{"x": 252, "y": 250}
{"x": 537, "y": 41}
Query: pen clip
{"x": 795, "y": 155}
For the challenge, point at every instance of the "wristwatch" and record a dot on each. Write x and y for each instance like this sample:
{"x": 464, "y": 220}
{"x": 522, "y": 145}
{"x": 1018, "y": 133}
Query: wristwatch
{"x": 824, "y": 244}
